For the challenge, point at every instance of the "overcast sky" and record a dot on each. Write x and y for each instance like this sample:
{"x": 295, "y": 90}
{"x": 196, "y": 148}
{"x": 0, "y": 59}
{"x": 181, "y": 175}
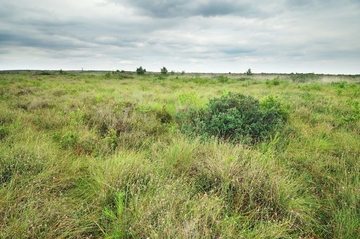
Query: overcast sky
{"x": 280, "y": 36}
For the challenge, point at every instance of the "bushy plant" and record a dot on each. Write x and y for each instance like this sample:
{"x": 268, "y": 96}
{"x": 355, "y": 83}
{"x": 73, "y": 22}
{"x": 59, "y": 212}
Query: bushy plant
{"x": 235, "y": 117}
{"x": 249, "y": 72}
{"x": 223, "y": 79}
{"x": 140, "y": 70}
{"x": 164, "y": 71}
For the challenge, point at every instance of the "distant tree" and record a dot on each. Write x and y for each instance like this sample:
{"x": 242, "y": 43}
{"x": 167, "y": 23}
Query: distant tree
{"x": 249, "y": 72}
{"x": 140, "y": 70}
{"x": 164, "y": 71}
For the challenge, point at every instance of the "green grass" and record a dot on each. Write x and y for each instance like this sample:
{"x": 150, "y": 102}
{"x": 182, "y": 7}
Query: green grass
{"x": 101, "y": 156}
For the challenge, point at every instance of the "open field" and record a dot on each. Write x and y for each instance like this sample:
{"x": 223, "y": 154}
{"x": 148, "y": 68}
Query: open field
{"x": 101, "y": 155}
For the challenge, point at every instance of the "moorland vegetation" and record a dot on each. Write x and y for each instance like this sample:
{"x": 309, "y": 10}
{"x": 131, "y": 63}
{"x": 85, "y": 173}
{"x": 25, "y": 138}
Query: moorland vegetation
{"x": 126, "y": 155}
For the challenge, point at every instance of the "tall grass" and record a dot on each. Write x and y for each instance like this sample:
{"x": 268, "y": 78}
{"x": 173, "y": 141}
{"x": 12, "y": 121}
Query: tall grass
{"x": 94, "y": 156}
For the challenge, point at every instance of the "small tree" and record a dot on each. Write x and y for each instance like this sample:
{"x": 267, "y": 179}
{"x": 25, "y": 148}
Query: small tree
{"x": 249, "y": 72}
{"x": 140, "y": 70}
{"x": 164, "y": 71}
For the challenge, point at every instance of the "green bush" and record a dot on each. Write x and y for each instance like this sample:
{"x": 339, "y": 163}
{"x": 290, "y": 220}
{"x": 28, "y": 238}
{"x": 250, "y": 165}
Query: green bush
{"x": 140, "y": 70}
{"x": 223, "y": 79}
{"x": 235, "y": 117}
{"x": 69, "y": 140}
{"x": 249, "y": 72}
{"x": 164, "y": 71}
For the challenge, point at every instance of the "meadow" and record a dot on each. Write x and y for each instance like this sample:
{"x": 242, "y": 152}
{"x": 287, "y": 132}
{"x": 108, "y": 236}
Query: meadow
{"x": 102, "y": 155}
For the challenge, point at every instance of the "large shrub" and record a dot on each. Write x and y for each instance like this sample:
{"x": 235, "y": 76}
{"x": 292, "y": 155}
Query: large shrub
{"x": 140, "y": 70}
{"x": 164, "y": 71}
{"x": 235, "y": 117}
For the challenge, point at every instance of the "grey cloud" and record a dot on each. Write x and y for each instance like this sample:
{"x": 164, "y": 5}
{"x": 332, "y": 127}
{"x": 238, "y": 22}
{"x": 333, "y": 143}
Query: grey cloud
{"x": 238, "y": 51}
{"x": 189, "y": 8}
{"x": 195, "y": 35}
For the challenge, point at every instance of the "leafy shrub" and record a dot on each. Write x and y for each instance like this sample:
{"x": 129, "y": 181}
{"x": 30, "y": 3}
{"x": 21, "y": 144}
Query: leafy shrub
{"x": 235, "y": 117}
{"x": 69, "y": 140}
{"x": 107, "y": 75}
{"x": 249, "y": 72}
{"x": 274, "y": 82}
{"x": 164, "y": 71}
{"x": 140, "y": 70}
{"x": 223, "y": 79}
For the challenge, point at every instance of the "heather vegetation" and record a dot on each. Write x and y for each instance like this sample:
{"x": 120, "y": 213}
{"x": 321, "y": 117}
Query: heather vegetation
{"x": 126, "y": 155}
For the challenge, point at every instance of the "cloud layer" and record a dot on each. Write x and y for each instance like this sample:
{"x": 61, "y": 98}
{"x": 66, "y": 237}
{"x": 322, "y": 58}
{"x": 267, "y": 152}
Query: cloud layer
{"x": 197, "y": 36}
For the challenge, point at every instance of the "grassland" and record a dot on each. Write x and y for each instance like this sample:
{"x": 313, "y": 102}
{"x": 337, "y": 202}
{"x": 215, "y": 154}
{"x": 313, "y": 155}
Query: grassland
{"x": 86, "y": 155}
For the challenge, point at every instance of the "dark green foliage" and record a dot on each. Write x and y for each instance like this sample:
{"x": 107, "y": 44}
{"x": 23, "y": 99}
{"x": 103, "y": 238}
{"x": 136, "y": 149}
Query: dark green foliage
{"x": 44, "y": 73}
{"x": 249, "y": 72}
{"x": 140, "y": 70}
{"x": 235, "y": 117}
{"x": 164, "y": 71}
{"x": 163, "y": 116}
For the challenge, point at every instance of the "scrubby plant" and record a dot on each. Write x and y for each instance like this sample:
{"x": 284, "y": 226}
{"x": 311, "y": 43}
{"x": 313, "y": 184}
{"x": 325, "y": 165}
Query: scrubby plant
{"x": 235, "y": 117}
{"x": 140, "y": 70}
{"x": 223, "y": 79}
{"x": 276, "y": 81}
{"x": 164, "y": 71}
{"x": 249, "y": 72}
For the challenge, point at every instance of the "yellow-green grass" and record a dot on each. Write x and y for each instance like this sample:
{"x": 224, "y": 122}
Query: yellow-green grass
{"x": 101, "y": 156}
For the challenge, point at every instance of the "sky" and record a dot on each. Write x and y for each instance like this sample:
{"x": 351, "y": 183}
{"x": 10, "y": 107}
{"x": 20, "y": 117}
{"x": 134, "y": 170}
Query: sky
{"x": 219, "y": 36}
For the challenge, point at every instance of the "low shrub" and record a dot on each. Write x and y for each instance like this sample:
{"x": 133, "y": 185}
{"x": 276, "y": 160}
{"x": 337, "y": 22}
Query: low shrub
{"x": 140, "y": 70}
{"x": 235, "y": 117}
{"x": 223, "y": 79}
